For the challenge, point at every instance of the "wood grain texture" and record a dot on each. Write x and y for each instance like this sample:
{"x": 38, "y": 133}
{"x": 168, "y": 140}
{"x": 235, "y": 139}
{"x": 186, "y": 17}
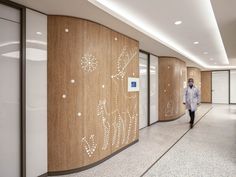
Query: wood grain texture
{"x": 195, "y": 73}
{"x": 206, "y": 86}
{"x": 92, "y": 121}
{"x": 172, "y": 75}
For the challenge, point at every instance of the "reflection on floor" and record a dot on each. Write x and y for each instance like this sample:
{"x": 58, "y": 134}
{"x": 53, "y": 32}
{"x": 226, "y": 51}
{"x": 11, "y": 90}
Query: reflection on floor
{"x": 206, "y": 150}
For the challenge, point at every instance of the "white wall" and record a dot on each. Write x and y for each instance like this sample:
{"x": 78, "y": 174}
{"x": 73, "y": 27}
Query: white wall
{"x": 9, "y": 92}
{"x": 36, "y": 93}
{"x": 233, "y": 86}
{"x": 153, "y": 89}
{"x": 143, "y": 92}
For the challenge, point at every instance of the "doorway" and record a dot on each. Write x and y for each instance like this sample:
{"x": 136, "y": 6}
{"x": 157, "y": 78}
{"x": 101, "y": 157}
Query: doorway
{"x": 143, "y": 92}
{"x": 220, "y": 87}
{"x": 233, "y": 86}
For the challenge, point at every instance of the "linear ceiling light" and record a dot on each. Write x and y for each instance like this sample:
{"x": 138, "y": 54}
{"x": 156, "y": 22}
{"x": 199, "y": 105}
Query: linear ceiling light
{"x": 114, "y": 9}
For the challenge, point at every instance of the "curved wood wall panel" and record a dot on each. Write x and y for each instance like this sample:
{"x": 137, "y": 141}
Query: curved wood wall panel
{"x": 206, "y": 80}
{"x": 172, "y": 80}
{"x": 195, "y": 73}
{"x": 90, "y": 112}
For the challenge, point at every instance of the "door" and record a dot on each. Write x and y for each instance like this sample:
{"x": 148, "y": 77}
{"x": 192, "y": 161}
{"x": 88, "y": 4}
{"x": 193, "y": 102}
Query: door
{"x": 143, "y": 92}
{"x": 206, "y": 86}
{"x": 220, "y": 87}
{"x": 153, "y": 89}
{"x": 9, "y": 92}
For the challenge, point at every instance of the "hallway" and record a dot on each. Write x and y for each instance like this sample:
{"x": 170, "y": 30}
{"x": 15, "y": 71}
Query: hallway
{"x": 206, "y": 150}
{"x": 104, "y": 88}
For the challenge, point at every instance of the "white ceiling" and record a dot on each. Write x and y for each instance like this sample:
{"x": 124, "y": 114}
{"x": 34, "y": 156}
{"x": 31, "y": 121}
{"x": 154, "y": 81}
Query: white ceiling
{"x": 158, "y": 14}
{"x": 226, "y": 17}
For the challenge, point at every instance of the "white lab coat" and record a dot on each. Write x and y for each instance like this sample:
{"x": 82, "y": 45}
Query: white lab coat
{"x": 191, "y": 98}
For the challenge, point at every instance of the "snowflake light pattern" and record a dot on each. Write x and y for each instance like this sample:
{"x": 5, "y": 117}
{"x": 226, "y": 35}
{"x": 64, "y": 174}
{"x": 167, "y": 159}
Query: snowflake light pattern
{"x": 89, "y": 63}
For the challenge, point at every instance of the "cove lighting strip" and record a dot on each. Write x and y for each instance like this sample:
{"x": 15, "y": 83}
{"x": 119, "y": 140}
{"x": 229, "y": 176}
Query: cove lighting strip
{"x": 123, "y": 15}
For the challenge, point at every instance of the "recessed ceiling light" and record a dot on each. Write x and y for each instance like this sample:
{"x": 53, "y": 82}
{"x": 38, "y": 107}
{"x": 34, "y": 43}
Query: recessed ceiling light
{"x": 178, "y": 22}
{"x": 211, "y": 58}
{"x": 215, "y": 63}
{"x": 196, "y": 42}
{"x": 116, "y": 9}
{"x": 39, "y": 33}
{"x": 205, "y": 53}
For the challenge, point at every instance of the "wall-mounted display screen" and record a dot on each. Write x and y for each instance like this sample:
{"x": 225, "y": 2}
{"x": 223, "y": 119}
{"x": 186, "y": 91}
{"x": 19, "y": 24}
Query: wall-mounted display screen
{"x": 133, "y": 84}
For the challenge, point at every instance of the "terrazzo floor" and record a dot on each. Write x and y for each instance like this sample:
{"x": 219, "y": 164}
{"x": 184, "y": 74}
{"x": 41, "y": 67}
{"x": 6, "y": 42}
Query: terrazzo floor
{"x": 209, "y": 149}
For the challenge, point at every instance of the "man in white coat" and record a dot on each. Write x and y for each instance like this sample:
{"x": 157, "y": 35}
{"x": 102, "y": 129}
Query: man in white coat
{"x": 191, "y": 99}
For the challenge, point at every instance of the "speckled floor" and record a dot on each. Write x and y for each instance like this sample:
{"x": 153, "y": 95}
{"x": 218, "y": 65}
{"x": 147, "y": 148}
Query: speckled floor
{"x": 209, "y": 149}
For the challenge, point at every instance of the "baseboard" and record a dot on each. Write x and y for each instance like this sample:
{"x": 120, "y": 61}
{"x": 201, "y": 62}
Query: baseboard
{"x": 57, "y": 173}
{"x": 172, "y": 119}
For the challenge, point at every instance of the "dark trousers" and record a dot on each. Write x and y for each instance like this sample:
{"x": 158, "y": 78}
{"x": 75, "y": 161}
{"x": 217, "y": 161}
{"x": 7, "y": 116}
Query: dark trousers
{"x": 192, "y": 116}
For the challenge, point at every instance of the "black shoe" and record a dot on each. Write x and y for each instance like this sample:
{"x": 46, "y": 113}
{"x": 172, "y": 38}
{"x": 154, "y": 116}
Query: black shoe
{"x": 191, "y": 125}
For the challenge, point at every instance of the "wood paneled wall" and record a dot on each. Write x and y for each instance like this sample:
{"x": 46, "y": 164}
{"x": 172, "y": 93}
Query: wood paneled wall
{"x": 195, "y": 73}
{"x": 206, "y": 86}
{"x": 172, "y": 80}
{"x": 90, "y": 112}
